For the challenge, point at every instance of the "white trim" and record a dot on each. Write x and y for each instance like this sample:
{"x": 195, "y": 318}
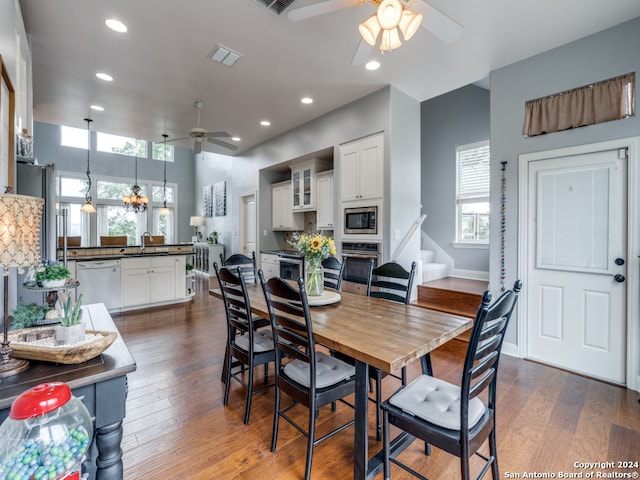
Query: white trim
{"x": 470, "y": 274}
{"x": 478, "y": 246}
{"x": 633, "y": 242}
{"x": 510, "y": 349}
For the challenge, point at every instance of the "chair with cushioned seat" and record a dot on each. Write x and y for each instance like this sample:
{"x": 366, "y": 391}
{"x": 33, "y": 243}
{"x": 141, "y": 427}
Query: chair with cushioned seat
{"x": 450, "y": 417}
{"x": 246, "y": 346}
{"x": 247, "y": 265}
{"x": 311, "y": 378}
{"x": 333, "y": 272}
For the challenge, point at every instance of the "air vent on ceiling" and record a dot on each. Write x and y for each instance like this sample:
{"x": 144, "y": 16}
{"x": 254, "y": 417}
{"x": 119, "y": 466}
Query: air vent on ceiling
{"x": 276, "y": 6}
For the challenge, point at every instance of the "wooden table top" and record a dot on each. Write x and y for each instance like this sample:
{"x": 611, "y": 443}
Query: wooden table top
{"x": 384, "y": 334}
{"x": 114, "y": 362}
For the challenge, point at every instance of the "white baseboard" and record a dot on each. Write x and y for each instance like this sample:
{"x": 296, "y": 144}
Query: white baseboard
{"x": 470, "y": 274}
{"x": 510, "y": 349}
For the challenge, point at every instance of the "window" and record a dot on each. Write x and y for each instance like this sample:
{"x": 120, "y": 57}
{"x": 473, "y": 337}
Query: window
{"x": 472, "y": 193}
{"x": 122, "y": 145}
{"x": 74, "y": 137}
{"x": 159, "y": 152}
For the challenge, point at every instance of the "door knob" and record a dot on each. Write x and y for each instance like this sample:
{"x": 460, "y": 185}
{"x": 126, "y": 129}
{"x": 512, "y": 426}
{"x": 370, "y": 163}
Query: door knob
{"x": 618, "y": 277}
{"x": 619, "y": 261}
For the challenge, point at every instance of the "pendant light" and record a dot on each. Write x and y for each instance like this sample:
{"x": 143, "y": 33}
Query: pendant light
{"x": 88, "y": 206}
{"x": 390, "y": 16}
{"x": 135, "y": 202}
{"x": 164, "y": 210}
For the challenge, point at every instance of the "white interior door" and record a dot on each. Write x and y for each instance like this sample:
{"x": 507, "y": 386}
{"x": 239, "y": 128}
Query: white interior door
{"x": 248, "y": 221}
{"x": 577, "y": 224}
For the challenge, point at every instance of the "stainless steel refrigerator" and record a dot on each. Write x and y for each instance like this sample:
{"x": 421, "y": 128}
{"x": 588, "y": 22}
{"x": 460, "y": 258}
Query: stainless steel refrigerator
{"x": 39, "y": 181}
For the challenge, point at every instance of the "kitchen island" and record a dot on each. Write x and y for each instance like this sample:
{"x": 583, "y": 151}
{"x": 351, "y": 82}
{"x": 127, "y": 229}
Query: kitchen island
{"x": 101, "y": 383}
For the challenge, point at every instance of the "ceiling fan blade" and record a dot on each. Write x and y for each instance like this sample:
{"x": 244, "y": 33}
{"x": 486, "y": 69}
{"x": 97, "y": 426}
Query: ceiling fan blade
{"x": 437, "y": 22}
{"x": 218, "y": 135}
{"x": 177, "y": 139}
{"x": 320, "y": 8}
{"x": 222, "y": 144}
{"x": 362, "y": 53}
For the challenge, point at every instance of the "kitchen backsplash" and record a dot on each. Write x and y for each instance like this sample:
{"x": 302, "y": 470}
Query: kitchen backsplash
{"x": 309, "y": 227}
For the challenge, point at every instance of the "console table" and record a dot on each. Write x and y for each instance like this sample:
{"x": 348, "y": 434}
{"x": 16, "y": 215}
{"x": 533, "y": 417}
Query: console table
{"x": 101, "y": 383}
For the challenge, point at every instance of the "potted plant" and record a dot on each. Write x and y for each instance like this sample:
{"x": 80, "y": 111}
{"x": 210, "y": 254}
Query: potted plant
{"x": 25, "y": 315}
{"x": 213, "y": 237}
{"x": 71, "y": 329}
{"x": 53, "y": 276}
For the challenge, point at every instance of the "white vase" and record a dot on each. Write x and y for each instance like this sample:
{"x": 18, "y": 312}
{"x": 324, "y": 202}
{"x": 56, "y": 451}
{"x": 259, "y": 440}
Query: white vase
{"x": 54, "y": 283}
{"x": 70, "y": 335}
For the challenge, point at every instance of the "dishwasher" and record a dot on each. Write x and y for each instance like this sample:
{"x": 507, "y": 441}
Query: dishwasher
{"x": 100, "y": 283}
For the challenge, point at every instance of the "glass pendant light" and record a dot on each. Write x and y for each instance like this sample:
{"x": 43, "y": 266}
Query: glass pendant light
{"x": 88, "y": 206}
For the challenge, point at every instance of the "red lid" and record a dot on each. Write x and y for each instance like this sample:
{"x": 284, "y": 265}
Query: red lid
{"x": 40, "y": 400}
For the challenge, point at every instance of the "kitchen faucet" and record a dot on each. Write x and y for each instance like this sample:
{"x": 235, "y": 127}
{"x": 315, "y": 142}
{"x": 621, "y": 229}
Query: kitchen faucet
{"x": 145, "y": 234}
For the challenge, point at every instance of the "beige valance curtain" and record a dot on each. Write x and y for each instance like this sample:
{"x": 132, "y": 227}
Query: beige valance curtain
{"x": 611, "y": 99}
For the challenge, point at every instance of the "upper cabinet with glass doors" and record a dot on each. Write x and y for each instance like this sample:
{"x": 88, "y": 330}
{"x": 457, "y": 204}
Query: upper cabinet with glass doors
{"x": 303, "y": 184}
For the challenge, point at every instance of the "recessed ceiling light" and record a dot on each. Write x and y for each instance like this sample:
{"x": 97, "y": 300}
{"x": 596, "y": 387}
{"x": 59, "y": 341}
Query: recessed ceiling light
{"x": 236, "y": 139}
{"x": 97, "y": 107}
{"x": 116, "y": 25}
{"x": 104, "y": 76}
{"x": 306, "y": 100}
{"x": 372, "y": 65}
{"x": 265, "y": 123}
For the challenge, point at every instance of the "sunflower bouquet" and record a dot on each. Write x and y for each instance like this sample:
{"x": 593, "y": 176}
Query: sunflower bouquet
{"x": 315, "y": 247}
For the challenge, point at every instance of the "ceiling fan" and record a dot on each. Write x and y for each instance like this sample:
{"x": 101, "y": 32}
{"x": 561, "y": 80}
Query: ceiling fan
{"x": 200, "y": 134}
{"x": 433, "y": 20}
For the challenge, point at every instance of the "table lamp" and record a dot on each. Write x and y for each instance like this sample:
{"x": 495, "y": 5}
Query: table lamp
{"x": 19, "y": 248}
{"x": 196, "y": 222}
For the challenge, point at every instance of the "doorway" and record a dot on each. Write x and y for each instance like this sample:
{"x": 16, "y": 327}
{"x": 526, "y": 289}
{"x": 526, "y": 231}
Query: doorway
{"x": 577, "y": 249}
{"x": 248, "y": 223}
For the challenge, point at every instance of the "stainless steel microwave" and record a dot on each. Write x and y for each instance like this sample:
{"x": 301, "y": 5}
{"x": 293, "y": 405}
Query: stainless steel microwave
{"x": 361, "y": 220}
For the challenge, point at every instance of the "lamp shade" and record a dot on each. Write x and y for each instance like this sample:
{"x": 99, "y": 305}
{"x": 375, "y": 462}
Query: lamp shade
{"x": 409, "y": 23}
{"x": 20, "y": 231}
{"x": 196, "y": 221}
{"x": 370, "y": 29}
{"x": 389, "y": 14}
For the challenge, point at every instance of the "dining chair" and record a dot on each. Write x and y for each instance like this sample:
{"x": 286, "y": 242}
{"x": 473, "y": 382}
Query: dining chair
{"x": 450, "y": 417}
{"x": 247, "y": 346}
{"x": 391, "y": 281}
{"x": 333, "y": 272}
{"x": 247, "y": 265}
{"x": 310, "y": 377}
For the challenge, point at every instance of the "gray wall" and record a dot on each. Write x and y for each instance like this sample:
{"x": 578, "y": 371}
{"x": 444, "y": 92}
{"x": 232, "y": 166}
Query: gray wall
{"x": 387, "y": 110}
{"x": 47, "y": 149}
{"x": 597, "y": 57}
{"x": 455, "y": 118}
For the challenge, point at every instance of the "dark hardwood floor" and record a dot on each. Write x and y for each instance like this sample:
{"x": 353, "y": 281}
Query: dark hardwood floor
{"x": 177, "y": 428}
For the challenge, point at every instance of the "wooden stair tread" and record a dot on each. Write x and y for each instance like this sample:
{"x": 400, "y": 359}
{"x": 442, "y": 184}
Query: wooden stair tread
{"x": 477, "y": 287}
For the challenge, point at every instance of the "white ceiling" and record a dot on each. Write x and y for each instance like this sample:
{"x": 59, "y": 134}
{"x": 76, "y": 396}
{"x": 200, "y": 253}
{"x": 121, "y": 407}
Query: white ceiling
{"x": 161, "y": 66}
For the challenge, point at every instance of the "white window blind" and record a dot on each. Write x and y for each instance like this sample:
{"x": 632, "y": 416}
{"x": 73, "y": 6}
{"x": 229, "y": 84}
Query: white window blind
{"x": 473, "y": 171}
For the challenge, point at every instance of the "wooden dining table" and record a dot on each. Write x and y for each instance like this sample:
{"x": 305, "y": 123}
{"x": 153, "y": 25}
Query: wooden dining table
{"x": 378, "y": 333}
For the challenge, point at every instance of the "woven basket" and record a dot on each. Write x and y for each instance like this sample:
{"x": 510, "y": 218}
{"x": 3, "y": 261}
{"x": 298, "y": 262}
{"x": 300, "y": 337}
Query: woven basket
{"x": 67, "y": 355}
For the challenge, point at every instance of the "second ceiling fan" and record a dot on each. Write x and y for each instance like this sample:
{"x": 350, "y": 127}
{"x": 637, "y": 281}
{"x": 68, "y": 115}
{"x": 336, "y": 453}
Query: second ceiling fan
{"x": 200, "y": 134}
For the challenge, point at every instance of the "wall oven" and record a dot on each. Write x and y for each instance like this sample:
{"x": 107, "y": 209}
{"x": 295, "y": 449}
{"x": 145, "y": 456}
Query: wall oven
{"x": 291, "y": 266}
{"x": 361, "y": 220}
{"x": 357, "y": 257}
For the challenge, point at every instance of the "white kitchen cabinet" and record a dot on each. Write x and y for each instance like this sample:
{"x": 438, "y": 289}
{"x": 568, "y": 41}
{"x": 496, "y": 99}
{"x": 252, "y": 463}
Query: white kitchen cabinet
{"x": 269, "y": 265}
{"x": 362, "y": 168}
{"x": 324, "y": 200}
{"x": 149, "y": 280}
{"x": 303, "y": 184}
{"x": 283, "y": 217}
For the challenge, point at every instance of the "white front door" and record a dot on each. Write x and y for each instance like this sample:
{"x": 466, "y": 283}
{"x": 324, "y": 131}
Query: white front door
{"x": 576, "y": 263}
{"x": 248, "y": 224}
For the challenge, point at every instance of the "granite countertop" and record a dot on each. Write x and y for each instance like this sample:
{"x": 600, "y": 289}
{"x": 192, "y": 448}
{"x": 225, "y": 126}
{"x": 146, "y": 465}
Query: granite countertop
{"x": 117, "y": 252}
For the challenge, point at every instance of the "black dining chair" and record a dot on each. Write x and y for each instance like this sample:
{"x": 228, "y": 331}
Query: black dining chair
{"x": 450, "y": 417}
{"x": 311, "y": 378}
{"x": 247, "y": 347}
{"x": 391, "y": 281}
{"x": 333, "y": 272}
{"x": 247, "y": 265}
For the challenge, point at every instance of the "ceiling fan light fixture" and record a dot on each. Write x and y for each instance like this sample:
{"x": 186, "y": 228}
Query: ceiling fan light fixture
{"x": 409, "y": 23}
{"x": 370, "y": 29}
{"x": 390, "y": 40}
{"x": 389, "y": 14}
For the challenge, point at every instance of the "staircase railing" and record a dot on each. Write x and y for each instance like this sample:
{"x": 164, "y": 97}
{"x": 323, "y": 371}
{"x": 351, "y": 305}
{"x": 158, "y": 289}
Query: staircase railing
{"x": 405, "y": 241}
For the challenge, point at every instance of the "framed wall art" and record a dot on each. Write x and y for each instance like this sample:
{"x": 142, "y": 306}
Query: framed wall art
{"x": 7, "y": 127}
{"x": 207, "y": 201}
{"x": 220, "y": 199}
